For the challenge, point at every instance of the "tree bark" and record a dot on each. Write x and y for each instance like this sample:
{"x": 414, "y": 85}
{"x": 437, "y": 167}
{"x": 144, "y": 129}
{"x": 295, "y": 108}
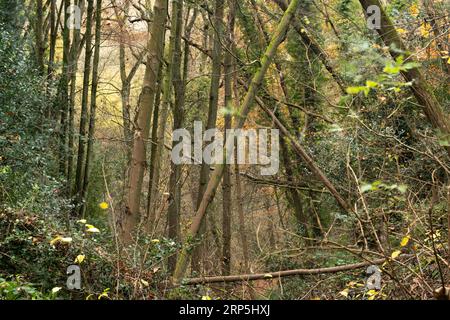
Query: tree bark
{"x": 197, "y": 256}
{"x": 226, "y": 184}
{"x": 39, "y": 36}
{"x": 286, "y": 273}
{"x": 93, "y": 107}
{"x": 132, "y": 215}
{"x": 84, "y": 106}
{"x": 173, "y": 212}
{"x": 165, "y": 106}
{"x": 53, "y": 35}
{"x": 73, "y": 67}
{"x": 63, "y": 98}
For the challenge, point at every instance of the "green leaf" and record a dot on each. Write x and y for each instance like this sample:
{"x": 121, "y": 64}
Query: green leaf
{"x": 371, "y": 84}
{"x": 444, "y": 142}
{"x": 355, "y": 90}
{"x": 410, "y": 65}
{"x": 391, "y": 69}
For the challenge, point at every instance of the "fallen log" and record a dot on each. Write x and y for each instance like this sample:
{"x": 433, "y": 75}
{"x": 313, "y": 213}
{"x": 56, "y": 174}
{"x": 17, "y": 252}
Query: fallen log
{"x": 285, "y": 273}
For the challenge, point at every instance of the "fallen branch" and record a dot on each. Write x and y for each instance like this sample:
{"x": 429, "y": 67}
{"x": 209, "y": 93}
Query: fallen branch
{"x": 285, "y": 273}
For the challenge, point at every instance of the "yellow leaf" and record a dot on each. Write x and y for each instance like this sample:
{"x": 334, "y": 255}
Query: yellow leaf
{"x": 83, "y": 221}
{"x": 401, "y": 30}
{"x": 155, "y": 240}
{"x": 66, "y": 240}
{"x": 55, "y": 240}
{"x": 404, "y": 241}
{"x": 56, "y": 289}
{"x": 103, "y": 205}
{"x": 103, "y": 295}
{"x": 59, "y": 239}
{"x": 93, "y": 230}
{"x": 425, "y": 29}
{"x": 395, "y": 254}
{"x": 268, "y": 275}
{"x": 206, "y": 298}
{"x": 414, "y": 10}
{"x": 80, "y": 258}
{"x": 145, "y": 283}
{"x": 344, "y": 293}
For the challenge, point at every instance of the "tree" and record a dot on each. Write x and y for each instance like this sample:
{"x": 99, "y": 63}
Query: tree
{"x": 93, "y": 107}
{"x": 132, "y": 215}
{"x": 212, "y": 117}
{"x": 81, "y": 158}
{"x": 173, "y": 211}
{"x": 228, "y": 102}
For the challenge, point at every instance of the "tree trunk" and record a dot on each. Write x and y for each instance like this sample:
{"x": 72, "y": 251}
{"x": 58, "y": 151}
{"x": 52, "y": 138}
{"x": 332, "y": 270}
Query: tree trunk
{"x": 132, "y": 215}
{"x": 226, "y": 184}
{"x": 153, "y": 152}
{"x": 93, "y": 107}
{"x": 165, "y": 106}
{"x": 84, "y": 106}
{"x": 63, "y": 98}
{"x": 39, "y": 35}
{"x": 173, "y": 212}
{"x": 197, "y": 256}
{"x": 74, "y": 52}
{"x": 53, "y": 35}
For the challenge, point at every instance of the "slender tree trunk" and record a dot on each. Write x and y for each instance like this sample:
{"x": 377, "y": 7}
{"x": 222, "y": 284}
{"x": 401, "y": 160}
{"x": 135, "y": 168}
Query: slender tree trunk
{"x": 132, "y": 215}
{"x": 63, "y": 95}
{"x": 153, "y": 152}
{"x": 53, "y": 35}
{"x": 448, "y": 224}
{"x": 126, "y": 79}
{"x": 84, "y": 106}
{"x": 73, "y": 67}
{"x": 226, "y": 184}
{"x": 126, "y": 86}
{"x": 240, "y": 209}
{"x": 293, "y": 196}
{"x": 93, "y": 107}
{"x": 166, "y": 101}
{"x": 173, "y": 212}
{"x": 197, "y": 256}
{"x": 278, "y": 36}
{"x": 39, "y": 35}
